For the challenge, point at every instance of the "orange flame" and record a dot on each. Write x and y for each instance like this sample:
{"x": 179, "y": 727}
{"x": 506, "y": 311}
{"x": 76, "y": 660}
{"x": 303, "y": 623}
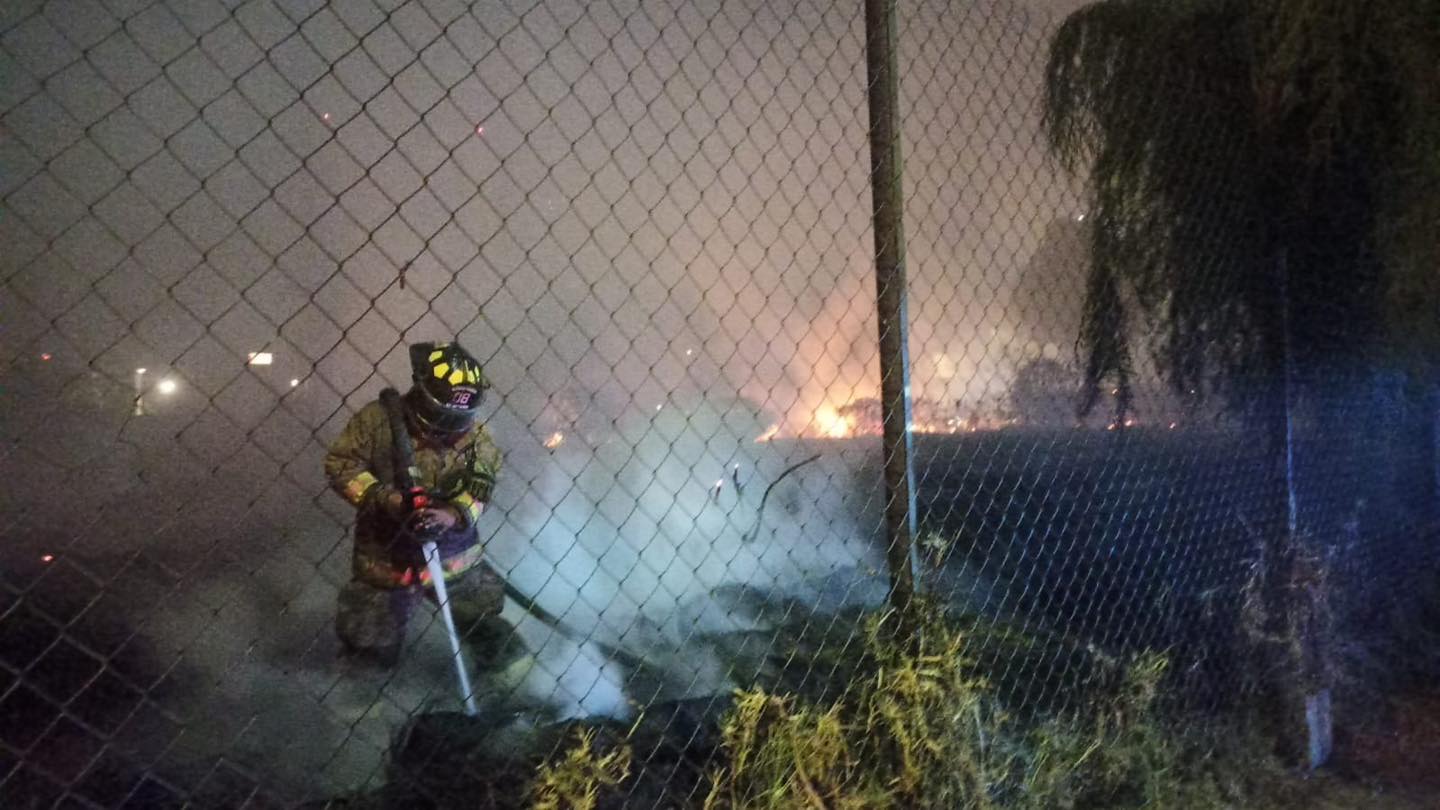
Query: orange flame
{"x": 832, "y": 424}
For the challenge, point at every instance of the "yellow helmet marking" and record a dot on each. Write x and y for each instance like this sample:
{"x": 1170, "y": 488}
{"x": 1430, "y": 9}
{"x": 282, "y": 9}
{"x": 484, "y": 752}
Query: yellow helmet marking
{"x": 441, "y": 369}
{"x": 456, "y": 377}
{"x": 436, "y": 355}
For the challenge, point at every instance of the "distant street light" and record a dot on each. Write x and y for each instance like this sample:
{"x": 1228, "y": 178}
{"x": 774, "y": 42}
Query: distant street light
{"x": 166, "y": 387}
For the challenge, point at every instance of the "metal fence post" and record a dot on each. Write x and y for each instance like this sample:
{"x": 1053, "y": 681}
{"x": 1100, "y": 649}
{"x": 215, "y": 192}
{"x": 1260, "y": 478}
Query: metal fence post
{"x": 887, "y": 200}
{"x": 1318, "y": 723}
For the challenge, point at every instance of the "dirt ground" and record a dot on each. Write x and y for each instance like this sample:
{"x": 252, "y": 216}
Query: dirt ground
{"x": 1391, "y": 762}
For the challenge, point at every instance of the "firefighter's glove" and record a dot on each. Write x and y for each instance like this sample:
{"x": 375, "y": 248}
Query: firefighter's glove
{"x": 427, "y": 524}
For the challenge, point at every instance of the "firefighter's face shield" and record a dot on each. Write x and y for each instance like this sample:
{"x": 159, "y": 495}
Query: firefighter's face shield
{"x": 444, "y": 422}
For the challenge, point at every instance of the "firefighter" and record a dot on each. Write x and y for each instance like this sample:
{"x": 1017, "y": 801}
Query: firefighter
{"x": 454, "y": 461}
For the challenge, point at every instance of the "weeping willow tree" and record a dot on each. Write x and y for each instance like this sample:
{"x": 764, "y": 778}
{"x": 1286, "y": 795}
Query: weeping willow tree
{"x": 1266, "y": 217}
{"x": 1266, "y": 187}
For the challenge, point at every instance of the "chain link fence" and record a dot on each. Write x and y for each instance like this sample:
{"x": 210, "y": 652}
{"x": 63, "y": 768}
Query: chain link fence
{"x": 223, "y": 222}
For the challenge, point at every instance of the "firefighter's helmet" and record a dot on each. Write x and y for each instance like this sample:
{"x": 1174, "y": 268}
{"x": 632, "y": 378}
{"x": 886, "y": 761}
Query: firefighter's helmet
{"x": 449, "y": 386}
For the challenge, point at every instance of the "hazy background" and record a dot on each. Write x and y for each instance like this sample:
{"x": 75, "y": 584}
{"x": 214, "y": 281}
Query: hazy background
{"x": 651, "y": 223}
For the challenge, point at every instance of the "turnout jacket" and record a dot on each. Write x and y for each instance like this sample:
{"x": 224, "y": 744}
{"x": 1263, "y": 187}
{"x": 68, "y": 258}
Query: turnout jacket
{"x": 360, "y": 466}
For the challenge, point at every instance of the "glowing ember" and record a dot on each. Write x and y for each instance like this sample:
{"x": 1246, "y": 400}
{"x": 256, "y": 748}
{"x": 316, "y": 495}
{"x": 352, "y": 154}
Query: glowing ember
{"x": 45, "y": 356}
{"x": 48, "y": 558}
{"x": 768, "y": 434}
{"x": 554, "y": 440}
{"x": 480, "y": 130}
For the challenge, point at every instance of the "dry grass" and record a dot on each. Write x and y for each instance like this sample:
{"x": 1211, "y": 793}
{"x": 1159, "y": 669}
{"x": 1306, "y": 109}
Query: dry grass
{"x": 575, "y": 781}
{"x": 920, "y": 726}
{"x": 917, "y": 720}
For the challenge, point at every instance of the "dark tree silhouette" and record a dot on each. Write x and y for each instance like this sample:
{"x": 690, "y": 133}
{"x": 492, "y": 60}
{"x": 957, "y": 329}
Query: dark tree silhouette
{"x": 1266, "y": 183}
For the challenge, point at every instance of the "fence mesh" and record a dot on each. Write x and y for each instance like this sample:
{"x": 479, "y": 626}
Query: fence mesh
{"x": 224, "y": 222}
